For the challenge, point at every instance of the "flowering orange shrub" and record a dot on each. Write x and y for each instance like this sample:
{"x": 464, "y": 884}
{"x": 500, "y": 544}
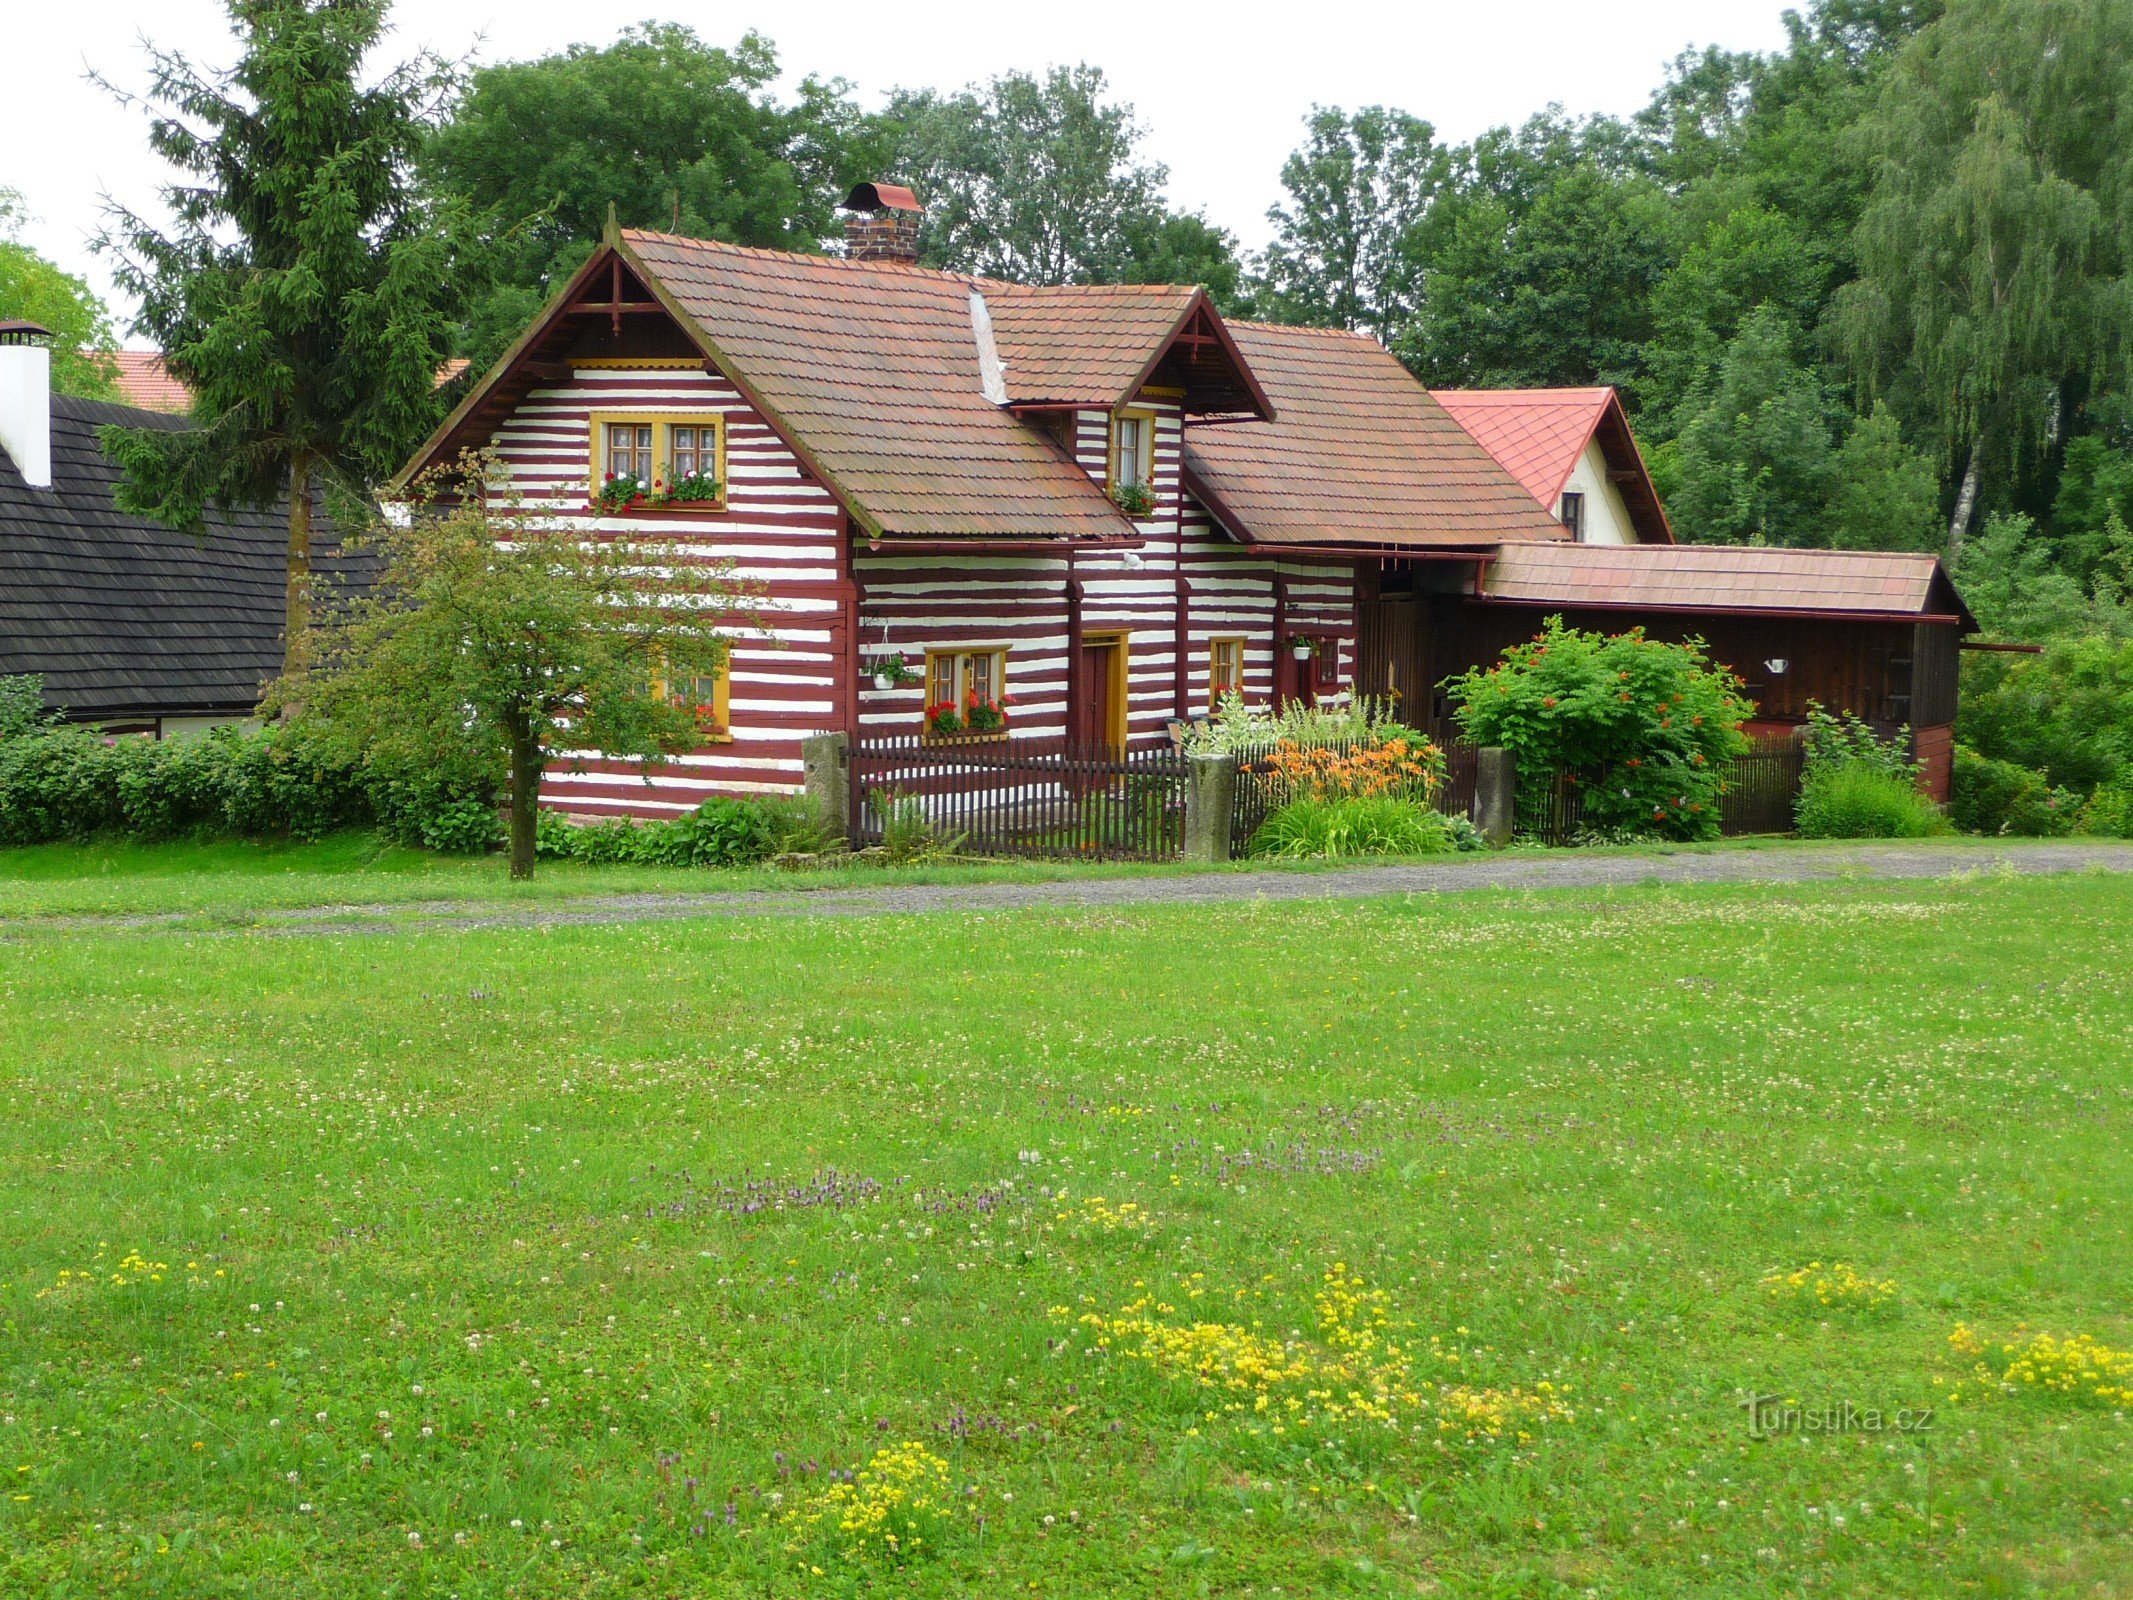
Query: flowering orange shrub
{"x": 1407, "y": 766}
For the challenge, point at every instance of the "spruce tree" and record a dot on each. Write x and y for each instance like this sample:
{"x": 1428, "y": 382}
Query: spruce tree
{"x": 306, "y": 293}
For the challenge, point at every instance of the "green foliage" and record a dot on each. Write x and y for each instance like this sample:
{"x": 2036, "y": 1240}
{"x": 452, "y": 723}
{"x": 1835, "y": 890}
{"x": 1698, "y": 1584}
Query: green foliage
{"x": 2108, "y": 813}
{"x": 1994, "y": 250}
{"x": 657, "y": 123}
{"x": 2068, "y": 712}
{"x": 1235, "y": 726}
{"x": 1040, "y": 180}
{"x": 719, "y": 833}
{"x": 76, "y": 783}
{"x": 2013, "y": 576}
{"x": 1343, "y": 255}
{"x": 22, "y": 704}
{"x": 907, "y": 833}
{"x": 33, "y": 289}
{"x": 1363, "y": 825}
{"x": 1845, "y": 741}
{"x": 1859, "y": 800}
{"x": 1646, "y": 730}
{"x": 306, "y": 293}
{"x": 2094, "y": 503}
{"x": 1540, "y": 259}
{"x": 486, "y": 646}
{"x": 1998, "y": 797}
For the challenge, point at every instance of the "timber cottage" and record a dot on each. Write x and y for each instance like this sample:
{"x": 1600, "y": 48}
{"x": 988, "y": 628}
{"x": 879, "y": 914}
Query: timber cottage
{"x": 1084, "y": 511}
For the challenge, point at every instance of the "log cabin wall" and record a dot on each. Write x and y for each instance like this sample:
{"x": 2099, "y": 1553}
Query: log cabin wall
{"x": 779, "y": 530}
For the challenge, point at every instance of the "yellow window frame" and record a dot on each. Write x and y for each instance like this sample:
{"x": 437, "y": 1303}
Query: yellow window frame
{"x": 662, "y": 448}
{"x": 1232, "y": 642}
{"x": 948, "y": 680}
{"x": 721, "y": 701}
{"x": 1146, "y": 418}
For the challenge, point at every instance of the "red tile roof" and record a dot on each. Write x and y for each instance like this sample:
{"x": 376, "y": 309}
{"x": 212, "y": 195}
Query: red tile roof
{"x": 1538, "y": 434}
{"x": 144, "y": 381}
{"x": 1687, "y": 577}
{"x": 1359, "y": 454}
{"x": 871, "y": 367}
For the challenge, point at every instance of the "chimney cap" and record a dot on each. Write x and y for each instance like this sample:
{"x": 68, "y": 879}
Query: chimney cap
{"x": 17, "y": 331}
{"x": 881, "y": 197}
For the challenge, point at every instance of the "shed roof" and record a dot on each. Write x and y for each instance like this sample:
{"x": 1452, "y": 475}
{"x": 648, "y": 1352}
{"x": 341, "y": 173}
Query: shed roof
{"x": 121, "y": 615}
{"x": 1360, "y": 455}
{"x": 1867, "y": 584}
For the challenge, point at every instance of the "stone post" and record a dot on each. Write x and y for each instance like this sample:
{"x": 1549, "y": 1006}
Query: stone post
{"x": 1210, "y": 796}
{"x": 1495, "y": 777}
{"x": 825, "y": 758}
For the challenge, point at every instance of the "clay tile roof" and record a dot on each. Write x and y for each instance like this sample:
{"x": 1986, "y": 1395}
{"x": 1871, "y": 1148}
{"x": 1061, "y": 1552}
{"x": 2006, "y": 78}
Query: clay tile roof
{"x": 1864, "y": 583}
{"x": 1538, "y": 434}
{"x": 145, "y": 382}
{"x": 1083, "y": 344}
{"x": 1359, "y": 454}
{"x": 872, "y": 366}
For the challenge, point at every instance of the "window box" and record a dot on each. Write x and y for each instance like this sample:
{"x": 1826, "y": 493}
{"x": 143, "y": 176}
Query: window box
{"x": 658, "y": 462}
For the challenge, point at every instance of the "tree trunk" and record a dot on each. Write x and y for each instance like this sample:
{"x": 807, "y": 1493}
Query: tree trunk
{"x": 525, "y": 800}
{"x": 1965, "y": 508}
{"x": 296, "y": 614}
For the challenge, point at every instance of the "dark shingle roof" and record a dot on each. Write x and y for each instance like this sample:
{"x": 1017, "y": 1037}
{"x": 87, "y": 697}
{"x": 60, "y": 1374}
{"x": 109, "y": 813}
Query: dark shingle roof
{"x": 120, "y": 615}
{"x": 1358, "y": 454}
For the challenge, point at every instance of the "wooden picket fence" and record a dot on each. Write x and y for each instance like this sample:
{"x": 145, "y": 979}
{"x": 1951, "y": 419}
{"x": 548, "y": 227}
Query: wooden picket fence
{"x": 1261, "y": 790}
{"x": 1017, "y": 795}
{"x": 1761, "y": 789}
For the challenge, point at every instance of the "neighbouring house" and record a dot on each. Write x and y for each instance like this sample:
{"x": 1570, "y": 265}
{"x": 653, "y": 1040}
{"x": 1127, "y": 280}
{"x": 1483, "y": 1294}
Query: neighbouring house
{"x": 1572, "y": 450}
{"x": 131, "y": 625}
{"x": 1088, "y": 510}
{"x": 146, "y": 384}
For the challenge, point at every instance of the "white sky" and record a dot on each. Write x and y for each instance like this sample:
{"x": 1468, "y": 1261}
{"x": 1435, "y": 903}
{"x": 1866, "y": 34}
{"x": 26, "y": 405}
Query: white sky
{"x": 1222, "y": 90}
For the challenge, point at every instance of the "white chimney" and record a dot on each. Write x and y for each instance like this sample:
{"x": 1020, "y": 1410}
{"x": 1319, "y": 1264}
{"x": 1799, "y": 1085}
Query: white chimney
{"x": 26, "y": 401}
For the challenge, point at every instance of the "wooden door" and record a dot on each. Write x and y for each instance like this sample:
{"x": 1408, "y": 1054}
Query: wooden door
{"x": 1391, "y": 659}
{"x": 1096, "y": 689}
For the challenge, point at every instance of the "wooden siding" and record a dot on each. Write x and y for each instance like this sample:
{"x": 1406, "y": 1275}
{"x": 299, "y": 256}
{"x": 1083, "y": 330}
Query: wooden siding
{"x": 779, "y": 531}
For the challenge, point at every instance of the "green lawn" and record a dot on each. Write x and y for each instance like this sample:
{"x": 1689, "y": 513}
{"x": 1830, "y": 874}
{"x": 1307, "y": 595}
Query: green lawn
{"x": 589, "y": 1260}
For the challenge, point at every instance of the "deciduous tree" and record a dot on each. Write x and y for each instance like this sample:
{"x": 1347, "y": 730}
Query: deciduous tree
{"x": 34, "y": 289}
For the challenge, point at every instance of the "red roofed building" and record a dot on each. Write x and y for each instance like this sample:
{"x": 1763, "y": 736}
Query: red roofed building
{"x": 1572, "y": 450}
{"x": 145, "y": 382}
{"x": 1090, "y": 511}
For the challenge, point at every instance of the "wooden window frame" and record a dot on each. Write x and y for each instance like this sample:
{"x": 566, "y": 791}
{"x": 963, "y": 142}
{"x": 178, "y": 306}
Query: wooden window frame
{"x": 662, "y": 451}
{"x": 721, "y": 696}
{"x": 955, "y": 657}
{"x": 1146, "y": 417}
{"x": 1215, "y": 687}
{"x": 1573, "y": 512}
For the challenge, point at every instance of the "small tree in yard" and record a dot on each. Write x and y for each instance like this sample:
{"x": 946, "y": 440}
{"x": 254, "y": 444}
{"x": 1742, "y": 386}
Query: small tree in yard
{"x": 492, "y": 642}
{"x": 1644, "y": 729}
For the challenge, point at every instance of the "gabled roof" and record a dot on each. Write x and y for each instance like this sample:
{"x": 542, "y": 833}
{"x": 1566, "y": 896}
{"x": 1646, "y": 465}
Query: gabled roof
{"x": 1097, "y": 344}
{"x": 1866, "y": 584}
{"x": 122, "y": 616}
{"x": 1539, "y": 434}
{"x": 1360, "y": 455}
{"x": 868, "y": 369}
{"x": 144, "y": 381}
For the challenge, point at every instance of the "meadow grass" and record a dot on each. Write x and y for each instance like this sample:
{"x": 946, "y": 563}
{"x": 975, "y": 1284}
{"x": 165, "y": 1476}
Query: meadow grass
{"x": 1387, "y": 1247}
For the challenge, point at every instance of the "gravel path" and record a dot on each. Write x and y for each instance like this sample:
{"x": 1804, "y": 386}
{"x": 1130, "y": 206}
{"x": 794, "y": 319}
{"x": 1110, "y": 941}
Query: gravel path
{"x": 1535, "y": 870}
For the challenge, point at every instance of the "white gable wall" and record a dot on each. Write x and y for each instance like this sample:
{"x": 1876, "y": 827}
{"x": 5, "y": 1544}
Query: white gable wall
{"x": 1606, "y": 513}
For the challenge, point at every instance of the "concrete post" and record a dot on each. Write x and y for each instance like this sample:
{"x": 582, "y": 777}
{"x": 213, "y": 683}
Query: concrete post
{"x": 825, "y": 758}
{"x": 1210, "y": 796}
{"x": 1495, "y": 778}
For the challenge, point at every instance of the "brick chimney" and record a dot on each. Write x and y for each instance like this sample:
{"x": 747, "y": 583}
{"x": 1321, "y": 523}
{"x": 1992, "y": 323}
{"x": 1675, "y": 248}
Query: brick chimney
{"x": 883, "y": 223}
{"x": 26, "y": 400}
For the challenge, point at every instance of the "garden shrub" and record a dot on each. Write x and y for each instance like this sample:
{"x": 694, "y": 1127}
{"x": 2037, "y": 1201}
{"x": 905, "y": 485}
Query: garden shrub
{"x": 21, "y": 704}
{"x": 2000, "y": 797}
{"x": 1646, "y": 730}
{"x": 720, "y": 833}
{"x": 1857, "y": 785}
{"x": 1237, "y": 727}
{"x": 2108, "y": 813}
{"x": 1361, "y": 825}
{"x": 1855, "y": 800}
{"x": 2068, "y": 712}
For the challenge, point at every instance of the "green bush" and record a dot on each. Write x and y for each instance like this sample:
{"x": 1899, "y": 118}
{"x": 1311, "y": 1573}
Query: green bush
{"x": 2068, "y": 713}
{"x": 2108, "y": 813}
{"x": 719, "y": 833}
{"x": 1860, "y": 800}
{"x": 75, "y": 782}
{"x": 1999, "y": 797}
{"x": 1368, "y": 825}
{"x": 1648, "y": 729}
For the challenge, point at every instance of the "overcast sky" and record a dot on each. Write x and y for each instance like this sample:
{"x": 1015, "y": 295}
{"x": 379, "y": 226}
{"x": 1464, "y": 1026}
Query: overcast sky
{"x": 1221, "y": 90}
